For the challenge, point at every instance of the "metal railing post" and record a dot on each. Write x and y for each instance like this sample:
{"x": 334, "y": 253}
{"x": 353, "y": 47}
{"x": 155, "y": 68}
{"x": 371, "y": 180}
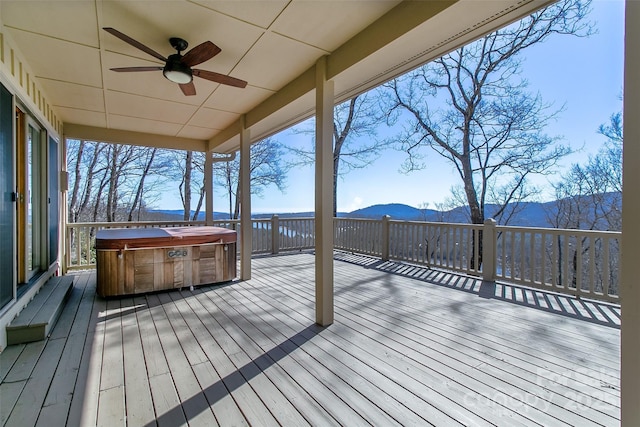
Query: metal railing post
{"x": 385, "y": 237}
{"x": 489, "y": 250}
{"x": 275, "y": 234}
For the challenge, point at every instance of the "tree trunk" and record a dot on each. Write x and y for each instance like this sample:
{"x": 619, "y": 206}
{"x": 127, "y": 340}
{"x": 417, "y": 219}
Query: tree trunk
{"x": 140, "y": 189}
{"x": 112, "y": 192}
{"x": 186, "y": 199}
{"x": 236, "y": 210}
{"x": 199, "y": 205}
{"x": 73, "y": 205}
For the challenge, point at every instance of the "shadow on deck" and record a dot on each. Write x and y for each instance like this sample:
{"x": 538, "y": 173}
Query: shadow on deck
{"x": 598, "y": 312}
{"x": 406, "y": 348}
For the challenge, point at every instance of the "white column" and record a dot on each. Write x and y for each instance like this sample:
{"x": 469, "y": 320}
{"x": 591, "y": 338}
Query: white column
{"x": 208, "y": 187}
{"x": 324, "y": 195}
{"x": 630, "y": 285}
{"x": 246, "y": 230}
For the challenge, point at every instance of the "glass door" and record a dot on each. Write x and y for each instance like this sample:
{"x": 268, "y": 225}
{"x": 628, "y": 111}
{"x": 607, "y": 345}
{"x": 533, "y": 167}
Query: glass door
{"x": 30, "y": 172}
{"x": 33, "y": 196}
{"x": 7, "y": 207}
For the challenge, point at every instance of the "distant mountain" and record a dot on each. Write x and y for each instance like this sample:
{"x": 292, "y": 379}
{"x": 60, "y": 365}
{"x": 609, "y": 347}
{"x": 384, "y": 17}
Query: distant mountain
{"x": 525, "y": 214}
{"x": 528, "y": 214}
{"x": 395, "y": 211}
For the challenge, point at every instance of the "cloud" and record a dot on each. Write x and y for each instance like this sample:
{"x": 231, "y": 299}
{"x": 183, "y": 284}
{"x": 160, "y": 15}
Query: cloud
{"x": 355, "y": 204}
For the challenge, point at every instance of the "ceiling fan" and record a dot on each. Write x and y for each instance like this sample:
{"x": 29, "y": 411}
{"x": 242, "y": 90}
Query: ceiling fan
{"x": 177, "y": 67}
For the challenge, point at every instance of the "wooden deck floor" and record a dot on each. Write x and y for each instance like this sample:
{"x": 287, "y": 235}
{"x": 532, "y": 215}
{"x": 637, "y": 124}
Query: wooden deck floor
{"x": 409, "y": 346}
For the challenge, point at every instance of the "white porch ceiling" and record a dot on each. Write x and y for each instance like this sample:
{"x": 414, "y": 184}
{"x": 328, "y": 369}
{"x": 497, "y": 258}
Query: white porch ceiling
{"x": 272, "y": 44}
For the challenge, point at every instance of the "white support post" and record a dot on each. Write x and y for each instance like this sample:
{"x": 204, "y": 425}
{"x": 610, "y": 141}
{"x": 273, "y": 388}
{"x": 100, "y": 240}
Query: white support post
{"x": 246, "y": 229}
{"x": 630, "y": 286}
{"x": 324, "y": 195}
{"x": 488, "y": 243}
{"x": 385, "y": 237}
{"x": 275, "y": 234}
{"x": 208, "y": 187}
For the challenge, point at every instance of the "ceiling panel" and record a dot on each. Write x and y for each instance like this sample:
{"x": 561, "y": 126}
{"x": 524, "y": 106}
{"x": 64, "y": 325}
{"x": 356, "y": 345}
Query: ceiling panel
{"x": 119, "y": 103}
{"x": 136, "y": 124}
{"x": 327, "y": 24}
{"x": 213, "y": 119}
{"x": 261, "y": 13}
{"x": 274, "y": 60}
{"x": 88, "y": 118}
{"x": 75, "y": 96}
{"x": 194, "y": 132}
{"x": 237, "y": 100}
{"x": 56, "y": 59}
{"x": 66, "y": 20}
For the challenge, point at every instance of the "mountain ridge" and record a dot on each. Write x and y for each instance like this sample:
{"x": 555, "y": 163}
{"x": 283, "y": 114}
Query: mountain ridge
{"x": 525, "y": 214}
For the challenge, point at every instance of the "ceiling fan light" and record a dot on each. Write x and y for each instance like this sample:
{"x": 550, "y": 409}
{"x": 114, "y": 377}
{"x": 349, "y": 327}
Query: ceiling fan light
{"x": 177, "y": 72}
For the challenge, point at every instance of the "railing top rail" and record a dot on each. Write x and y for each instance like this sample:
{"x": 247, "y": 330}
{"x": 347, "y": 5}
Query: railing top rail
{"x": 305, "y": 218}
{"x": 438, "y": 224}
{"x": 358, "y": 219}
{"x": 559, "y": 230}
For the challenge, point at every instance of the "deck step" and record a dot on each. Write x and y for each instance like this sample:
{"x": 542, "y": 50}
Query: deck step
{"x": 37, "y": 319}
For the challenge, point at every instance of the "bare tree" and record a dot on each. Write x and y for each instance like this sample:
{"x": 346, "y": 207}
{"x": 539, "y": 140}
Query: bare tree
{"x": 187, "y": 169}
{"x": 266, "y": 168}
{"x": 111, "y": 182}
{"x": 84, "y": 160}
{"x": 354, "y": 143}
{"x": 589, "y": 197}
{"x": 472, "y": 108}
{"x": 151, "y": 167}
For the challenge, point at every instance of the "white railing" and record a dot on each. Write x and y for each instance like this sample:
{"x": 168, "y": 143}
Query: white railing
{"x": 293, "y": 234}
{"x": 444, "y": 245}
{"x": 363, "y": 236}
{"x": 576, "y": 262}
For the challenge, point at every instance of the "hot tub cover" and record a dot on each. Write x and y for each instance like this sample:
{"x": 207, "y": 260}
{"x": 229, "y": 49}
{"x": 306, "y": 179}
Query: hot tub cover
{"x": 136, "y": 238}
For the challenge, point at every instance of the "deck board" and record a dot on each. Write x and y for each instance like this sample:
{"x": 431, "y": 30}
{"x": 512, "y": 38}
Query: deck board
{"x": 8, "y": 357}
{"x": 409, "y": 346}
{"x": 347, "y": 364}
{"x": 138, "y": 391}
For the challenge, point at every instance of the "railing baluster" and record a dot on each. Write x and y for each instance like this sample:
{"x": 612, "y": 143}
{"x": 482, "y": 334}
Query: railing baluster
{"x": 543, "y": 258}
{"x": 592, "y": 265}
{"x": 565, "y": 262}
{"x": 532, "y": 258}
{"x": 606, "y": 271}
{"x": 579, "y": 266}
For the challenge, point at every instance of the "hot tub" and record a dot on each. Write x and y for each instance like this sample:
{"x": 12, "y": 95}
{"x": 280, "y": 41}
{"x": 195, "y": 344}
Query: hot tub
{"x": 138, "y": 260}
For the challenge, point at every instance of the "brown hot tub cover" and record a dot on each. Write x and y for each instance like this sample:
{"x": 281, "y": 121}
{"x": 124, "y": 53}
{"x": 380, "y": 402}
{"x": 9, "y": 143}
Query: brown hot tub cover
{"x": 134, "y": 238}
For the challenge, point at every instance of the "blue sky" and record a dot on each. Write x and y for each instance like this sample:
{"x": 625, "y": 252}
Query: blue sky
{"x": 583, "y": 74}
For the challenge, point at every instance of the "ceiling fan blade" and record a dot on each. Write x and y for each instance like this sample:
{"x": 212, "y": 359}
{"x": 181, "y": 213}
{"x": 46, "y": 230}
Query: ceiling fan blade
{"x": 134, "y": 43}
{"x": 199, "y": 54}
{"x": 188, "y": 88}
{"x": 219, "y": 78}
{"x": 130, "y": 69}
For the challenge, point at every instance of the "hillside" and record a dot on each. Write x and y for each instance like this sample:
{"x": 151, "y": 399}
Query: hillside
{"x": 526, "y": 214}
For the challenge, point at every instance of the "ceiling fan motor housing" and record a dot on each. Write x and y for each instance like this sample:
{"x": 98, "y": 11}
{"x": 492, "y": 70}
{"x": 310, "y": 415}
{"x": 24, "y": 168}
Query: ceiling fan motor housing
{"x": 176, "y": 71}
